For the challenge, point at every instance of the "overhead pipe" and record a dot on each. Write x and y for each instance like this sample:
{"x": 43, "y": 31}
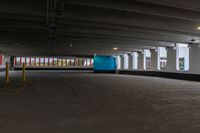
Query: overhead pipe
{"x": 54, "y": 11}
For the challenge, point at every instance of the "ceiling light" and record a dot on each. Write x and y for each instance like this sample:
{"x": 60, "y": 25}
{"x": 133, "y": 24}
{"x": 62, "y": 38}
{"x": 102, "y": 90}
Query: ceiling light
{"x": 115, "y": 48}
{"x": 198, "y": 28}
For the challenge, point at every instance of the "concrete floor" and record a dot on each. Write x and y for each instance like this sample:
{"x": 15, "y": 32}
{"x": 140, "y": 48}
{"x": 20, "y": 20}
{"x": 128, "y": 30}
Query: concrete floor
{"x": 61, "y": 102}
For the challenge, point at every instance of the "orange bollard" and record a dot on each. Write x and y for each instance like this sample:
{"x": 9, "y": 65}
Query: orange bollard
{"x": 7, "y": 73}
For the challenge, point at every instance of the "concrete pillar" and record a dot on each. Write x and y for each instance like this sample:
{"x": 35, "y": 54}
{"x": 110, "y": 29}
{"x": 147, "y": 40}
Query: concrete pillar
{"x": 118, "y": 62}
{"x": 130, "y": 61}
{"x": 135, "y": 60}
{"x": 12, "y": 63}
{"x": 194, "y": 52}
{"x": 122, "y": 61}
{"x": 140, "y": 60}
{"x": 171, "y": 59}
{"x": 125, "y": 61}
{"x": 7, "y": 78}
{"x": 154, "y": 60}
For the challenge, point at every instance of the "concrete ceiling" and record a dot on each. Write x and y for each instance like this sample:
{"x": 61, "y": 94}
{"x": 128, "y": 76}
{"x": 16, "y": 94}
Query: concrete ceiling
{"x": 87, "y": 27}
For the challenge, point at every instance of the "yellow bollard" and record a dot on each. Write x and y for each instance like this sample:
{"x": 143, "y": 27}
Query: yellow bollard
{"x": 7, "y": 73}
{"x": 23, "y": 72}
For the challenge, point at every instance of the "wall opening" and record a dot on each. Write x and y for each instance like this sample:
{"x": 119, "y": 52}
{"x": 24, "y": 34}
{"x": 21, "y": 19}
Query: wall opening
{"x": 182, "y": 57}
{"x": 162, "y": 58}
{"x": 147, "y": 59}
{"x": 54, "y": 62}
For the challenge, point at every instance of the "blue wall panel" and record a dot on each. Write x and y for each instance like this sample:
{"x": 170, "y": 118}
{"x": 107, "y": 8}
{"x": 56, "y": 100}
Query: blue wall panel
{"x": 104, "y": 63}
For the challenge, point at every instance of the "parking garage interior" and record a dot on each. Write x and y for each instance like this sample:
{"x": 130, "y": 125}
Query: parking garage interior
{"x": 93, "y": 66}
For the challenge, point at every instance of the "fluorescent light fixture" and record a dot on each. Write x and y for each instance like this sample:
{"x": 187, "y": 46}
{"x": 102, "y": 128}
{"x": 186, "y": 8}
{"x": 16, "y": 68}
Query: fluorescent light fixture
{"x": 115, "y": 48}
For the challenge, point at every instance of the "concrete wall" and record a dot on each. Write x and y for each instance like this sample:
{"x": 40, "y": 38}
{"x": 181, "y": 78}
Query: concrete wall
{"x": 194, "y": 61}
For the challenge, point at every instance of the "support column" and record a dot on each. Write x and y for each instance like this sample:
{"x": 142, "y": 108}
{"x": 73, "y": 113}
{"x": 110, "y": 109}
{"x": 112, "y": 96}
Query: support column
{"x": 12, "y": 62}
{"x": 48, "y": 61}
{"x": 130, "y": 61}
{"x": 122, "y": 61}
{"x": 140, "y": 61}
{"x": 53, "y": 61}
{"x": 30, "y": 61}
{"x": 194, "y": 52}
{"x": 125, "y": 61}
{"x": 34, "y": 61}
{"x": 171, "y": 59}
{"x": 118, "y": 62}
{"x": 135, "y": 60}
{"x": 154, "y": 60}
{"x": 39, "y": 61}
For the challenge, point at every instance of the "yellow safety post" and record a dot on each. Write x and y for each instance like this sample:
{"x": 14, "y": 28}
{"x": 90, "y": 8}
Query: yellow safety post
{"x": 7, "y": 73}
{"x": 23, "y": 72}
